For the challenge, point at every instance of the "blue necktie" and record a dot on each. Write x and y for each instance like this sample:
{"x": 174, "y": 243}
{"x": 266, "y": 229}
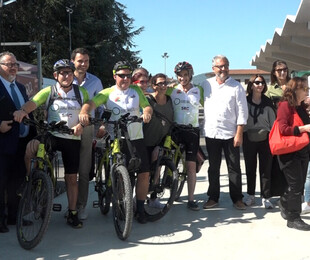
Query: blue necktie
{"x": 18, "y": 106}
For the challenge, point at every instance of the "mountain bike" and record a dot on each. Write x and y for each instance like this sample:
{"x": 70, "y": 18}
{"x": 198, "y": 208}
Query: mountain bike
{"x": 34, "y": 210}
{"x": 112, "y": 181}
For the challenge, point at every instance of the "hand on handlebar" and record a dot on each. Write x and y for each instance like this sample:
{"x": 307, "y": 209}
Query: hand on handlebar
{"x": 19, "y": 115}
{"x": 84, "y": 118}
{"x": 146, "y": 117}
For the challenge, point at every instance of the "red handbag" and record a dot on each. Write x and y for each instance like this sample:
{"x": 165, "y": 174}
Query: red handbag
{"x": 283, "y": 144}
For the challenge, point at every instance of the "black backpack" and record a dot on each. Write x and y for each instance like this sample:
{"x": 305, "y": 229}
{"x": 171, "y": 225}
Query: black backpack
{"x": 54, "y": 95}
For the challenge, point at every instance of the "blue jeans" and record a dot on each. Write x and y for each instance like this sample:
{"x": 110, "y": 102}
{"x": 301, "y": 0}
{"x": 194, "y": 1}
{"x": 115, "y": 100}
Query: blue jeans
{"x": 307, "y": 185}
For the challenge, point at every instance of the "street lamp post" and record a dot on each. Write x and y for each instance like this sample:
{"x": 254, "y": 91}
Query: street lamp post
{"x": 69, "y": 11}
{"x": 165, "y": 56}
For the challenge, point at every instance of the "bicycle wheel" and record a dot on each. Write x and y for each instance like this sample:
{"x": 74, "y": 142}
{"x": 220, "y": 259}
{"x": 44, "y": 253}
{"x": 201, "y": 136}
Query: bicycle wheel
{"x": 164, "y": 186}
{"x": 103, "y": 189}
{"x": 34, "y": 210}
{"x": 182, "y": 175}
{"x": 122, "y": 202}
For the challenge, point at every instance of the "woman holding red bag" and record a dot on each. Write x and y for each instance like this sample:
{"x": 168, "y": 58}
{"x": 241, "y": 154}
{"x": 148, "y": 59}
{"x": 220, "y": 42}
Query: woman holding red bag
{"x": 294, "y": 165}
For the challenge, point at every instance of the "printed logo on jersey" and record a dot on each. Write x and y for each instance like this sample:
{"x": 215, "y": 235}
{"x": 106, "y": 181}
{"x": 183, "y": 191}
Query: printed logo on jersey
{"x": 117, "y": 99}
{"x": 179, "y": 91}
{"x": 116, "y": 111}
{"x": 177, "y": 101}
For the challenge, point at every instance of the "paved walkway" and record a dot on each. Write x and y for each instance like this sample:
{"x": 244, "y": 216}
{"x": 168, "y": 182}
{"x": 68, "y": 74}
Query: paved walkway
{"x": 221, "y": 233}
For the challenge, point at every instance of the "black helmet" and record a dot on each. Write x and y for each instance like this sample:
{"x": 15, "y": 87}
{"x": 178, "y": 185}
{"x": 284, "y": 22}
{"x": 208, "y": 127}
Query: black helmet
{"x": 64, "y": 63}
{"x": 122, "y": 65}
{"x": 184, "y": 66}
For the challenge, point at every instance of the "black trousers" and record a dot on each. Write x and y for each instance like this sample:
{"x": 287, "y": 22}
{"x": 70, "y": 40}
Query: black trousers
{"x": 232, "y": 156}
{"x": 250, "y": 152}
{"x": 294, "y": 167}
{"x": 12, "y": 174}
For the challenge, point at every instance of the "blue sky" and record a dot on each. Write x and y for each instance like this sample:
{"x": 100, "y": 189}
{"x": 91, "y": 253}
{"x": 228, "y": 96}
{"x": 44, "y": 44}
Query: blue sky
{"x": 197, "y": 30}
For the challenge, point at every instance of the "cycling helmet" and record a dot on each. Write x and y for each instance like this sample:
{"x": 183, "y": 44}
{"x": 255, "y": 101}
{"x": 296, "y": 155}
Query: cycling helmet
{"x": 121, "y": 65}
{"x": 184, "y": 66}
{"x": 64, "y": 63}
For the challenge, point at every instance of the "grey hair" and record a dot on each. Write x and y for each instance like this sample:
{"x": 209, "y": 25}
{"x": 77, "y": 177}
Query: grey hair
{"x": 222, "y": 57}
{"x": 2, "y": 54}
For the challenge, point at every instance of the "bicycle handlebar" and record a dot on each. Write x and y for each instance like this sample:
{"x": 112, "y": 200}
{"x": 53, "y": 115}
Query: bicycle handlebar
{"x": 59, "y": 126}
{"x": 123, "y": 120}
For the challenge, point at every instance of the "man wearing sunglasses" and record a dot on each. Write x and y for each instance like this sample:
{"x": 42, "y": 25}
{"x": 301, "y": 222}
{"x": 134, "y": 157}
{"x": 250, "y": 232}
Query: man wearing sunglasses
{"x": 67, "y": 99}
{"x": 123, "y": 98}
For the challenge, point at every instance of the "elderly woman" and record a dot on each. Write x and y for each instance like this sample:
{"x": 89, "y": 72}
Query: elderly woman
{"x": 294, "y": 165}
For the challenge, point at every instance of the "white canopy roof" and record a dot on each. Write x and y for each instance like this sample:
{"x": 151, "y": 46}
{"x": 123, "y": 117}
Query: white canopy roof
{"x": 290, "y": 43}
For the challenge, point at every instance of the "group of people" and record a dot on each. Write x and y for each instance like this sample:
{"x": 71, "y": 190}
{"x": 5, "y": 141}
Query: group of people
{"x": 233, "y": 118}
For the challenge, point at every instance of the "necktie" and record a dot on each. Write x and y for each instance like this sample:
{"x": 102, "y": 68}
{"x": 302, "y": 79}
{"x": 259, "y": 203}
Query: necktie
{"x": 18, "y": 106}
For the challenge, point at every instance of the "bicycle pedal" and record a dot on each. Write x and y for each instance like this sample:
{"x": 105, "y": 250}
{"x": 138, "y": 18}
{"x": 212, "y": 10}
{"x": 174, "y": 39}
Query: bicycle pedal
{"x": 57, "y": 207}
{"x": 96, "y": 204}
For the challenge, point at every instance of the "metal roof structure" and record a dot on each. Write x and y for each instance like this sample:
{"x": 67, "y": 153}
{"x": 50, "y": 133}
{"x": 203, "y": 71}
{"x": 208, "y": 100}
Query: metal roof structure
{"x": 290, "y": 43}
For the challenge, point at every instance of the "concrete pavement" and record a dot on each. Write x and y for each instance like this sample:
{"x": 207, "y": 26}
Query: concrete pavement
{"x": 222, "y": 233}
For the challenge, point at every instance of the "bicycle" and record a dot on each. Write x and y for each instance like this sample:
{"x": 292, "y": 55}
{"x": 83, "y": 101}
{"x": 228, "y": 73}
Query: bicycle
{"x": 112, "y": 181}
{"x": 158, "y": 183}
{"x": 36, "y": 204}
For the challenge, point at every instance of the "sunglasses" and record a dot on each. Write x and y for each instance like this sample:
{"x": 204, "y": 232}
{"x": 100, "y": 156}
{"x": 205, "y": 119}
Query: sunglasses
{"x": 65, "y": 73}
{"x": 143, "y": 81}
{"x": 280, "y": 70}
{"x": 128, "y": 76}
{"x": 257, "y": 82}
{"x": 161, "y": 84}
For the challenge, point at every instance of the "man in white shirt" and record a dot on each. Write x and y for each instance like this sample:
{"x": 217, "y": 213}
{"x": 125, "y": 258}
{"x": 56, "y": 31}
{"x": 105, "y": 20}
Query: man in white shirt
{"x": 80, "y": 58}
{"x": 226, "y": 112}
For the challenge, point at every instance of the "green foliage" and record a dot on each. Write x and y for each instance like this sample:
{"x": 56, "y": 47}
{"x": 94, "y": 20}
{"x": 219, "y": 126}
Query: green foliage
{"x": 101, "y": 26}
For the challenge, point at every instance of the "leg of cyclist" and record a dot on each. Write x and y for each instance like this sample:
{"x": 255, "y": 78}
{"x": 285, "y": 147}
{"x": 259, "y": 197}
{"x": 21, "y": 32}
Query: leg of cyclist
{"x": 31, "y": 151}
{"x": 191, "y": 181}
{"x": 141, "y": 193}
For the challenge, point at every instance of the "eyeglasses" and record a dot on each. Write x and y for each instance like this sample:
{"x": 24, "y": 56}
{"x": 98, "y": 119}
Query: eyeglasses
{"x": 257, "y": 82}
{"x": 65, "y": 73}
{"x": 128, "y": 76}
{"x": 142, "y": 81}
{"x": 224, "y": 66}
{"x": 161, "y": 84}
{"x": 10, "y": 65}
{"x": 280, "y": 70}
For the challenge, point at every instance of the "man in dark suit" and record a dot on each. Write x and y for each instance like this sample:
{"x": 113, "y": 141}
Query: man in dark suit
{"x": 13, "y": 140}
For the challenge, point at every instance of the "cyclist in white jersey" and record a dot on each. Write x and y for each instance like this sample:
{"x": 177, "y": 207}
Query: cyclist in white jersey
{"x": 121, "y": 99}
{"x": 65, "y": 107}
{"x": 186, "y": 98}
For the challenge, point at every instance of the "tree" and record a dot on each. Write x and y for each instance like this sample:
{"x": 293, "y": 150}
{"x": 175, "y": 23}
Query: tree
{"x": 101, "y": 26}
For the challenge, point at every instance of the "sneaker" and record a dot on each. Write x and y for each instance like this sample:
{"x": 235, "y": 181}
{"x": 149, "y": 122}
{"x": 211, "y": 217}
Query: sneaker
{"x": 155, "y": 203}
{"x": 82, "y": 213}
{"x": 298, "y": 224}
{"x": 209, "y": 204}
{"x": 73, "y": 219}
{"x": 239, "y": 205}
{"x": 141, "y": 218}
{"x": 305, "y": 208}
{"x": 250, "y": 200}
{"x": 193, "y": 205}
{"x": 268, "y": 204}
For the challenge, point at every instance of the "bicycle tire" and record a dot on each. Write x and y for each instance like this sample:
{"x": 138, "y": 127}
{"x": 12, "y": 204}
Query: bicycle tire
{"x": 165, "y": 189}
{"x": 122, "y": 205}
{"x": 34, "y": 211}
{"x": 182, "y": 176}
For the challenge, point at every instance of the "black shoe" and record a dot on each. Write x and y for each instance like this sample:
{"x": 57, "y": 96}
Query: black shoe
{"x": 3, "y": 228}
{"x": 298, "y": 224}
{"x": 73, "y": 219}
{"x": 141, "y": 218}
{"x": 283, "y": 211}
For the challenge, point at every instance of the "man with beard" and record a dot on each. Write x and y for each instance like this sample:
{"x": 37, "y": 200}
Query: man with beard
{"x": 226, "y": 112}
{"x": 13, "y": 140}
